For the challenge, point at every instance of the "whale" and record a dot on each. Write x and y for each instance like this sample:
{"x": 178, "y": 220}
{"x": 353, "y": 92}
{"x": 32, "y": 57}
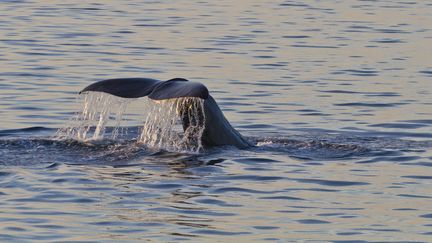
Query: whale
{"x": 217, "y": 129}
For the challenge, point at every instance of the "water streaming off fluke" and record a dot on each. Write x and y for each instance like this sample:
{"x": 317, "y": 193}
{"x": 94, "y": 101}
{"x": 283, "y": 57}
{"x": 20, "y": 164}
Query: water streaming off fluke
{"x": 172, "y": 124}
{"x": 98, "y": 110}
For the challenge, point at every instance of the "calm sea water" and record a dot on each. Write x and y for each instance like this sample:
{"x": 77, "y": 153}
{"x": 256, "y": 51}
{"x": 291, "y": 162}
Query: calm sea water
{"x": 336, "y": 95}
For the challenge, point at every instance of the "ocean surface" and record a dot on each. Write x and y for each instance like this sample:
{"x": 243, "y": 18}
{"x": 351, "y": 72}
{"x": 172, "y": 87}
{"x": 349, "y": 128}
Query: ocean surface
{"x": 336, "y": 96}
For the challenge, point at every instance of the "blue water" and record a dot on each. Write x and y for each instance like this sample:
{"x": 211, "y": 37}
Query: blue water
{"x": 334, "y": 94}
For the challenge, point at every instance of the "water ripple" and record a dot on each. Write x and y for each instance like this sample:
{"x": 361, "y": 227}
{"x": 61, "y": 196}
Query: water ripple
{"x": 335, "y": 96}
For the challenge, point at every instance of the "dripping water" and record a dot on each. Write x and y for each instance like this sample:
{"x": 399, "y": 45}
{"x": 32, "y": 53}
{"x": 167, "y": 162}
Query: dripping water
{"x": 98, "y": 110}
{"x": 173, "y": 124}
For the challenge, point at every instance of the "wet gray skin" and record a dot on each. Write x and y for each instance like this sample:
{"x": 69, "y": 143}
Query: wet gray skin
{"x": 217, "y": 132}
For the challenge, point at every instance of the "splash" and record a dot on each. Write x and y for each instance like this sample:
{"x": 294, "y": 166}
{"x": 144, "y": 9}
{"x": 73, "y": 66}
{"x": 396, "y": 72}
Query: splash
{"x": 172, "y": 124}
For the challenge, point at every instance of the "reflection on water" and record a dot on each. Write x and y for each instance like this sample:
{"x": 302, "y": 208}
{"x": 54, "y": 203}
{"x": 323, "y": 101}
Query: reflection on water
{"x": 335, "y": 95}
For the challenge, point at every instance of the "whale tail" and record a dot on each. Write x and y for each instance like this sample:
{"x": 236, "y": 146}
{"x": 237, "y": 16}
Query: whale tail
{"x": 217, "y": 130}
{"x": 154, "y": 89}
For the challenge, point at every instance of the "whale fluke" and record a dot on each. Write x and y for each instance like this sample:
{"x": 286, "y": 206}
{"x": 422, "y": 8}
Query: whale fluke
{"x": 217, "y": 130}
{"x": 154, "y": 89}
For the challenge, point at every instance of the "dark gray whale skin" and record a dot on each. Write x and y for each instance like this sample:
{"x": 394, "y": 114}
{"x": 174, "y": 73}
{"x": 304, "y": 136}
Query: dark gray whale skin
{"x": 217, "y": 132}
